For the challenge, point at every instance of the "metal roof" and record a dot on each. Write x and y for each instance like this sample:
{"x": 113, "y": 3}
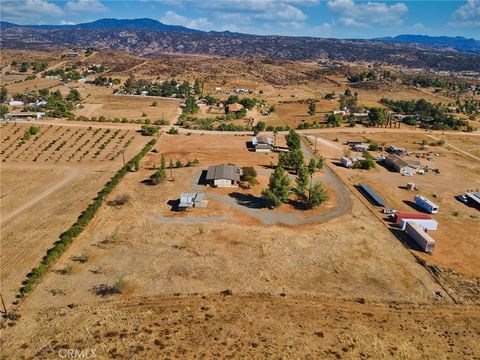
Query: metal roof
{"x": 262, "y": 140}
{"x": 223, "y": 171}
{"x": 366, "y": 190}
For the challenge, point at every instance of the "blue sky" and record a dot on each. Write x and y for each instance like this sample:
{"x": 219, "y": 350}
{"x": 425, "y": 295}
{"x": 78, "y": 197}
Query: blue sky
{"x": 322, "y": 18}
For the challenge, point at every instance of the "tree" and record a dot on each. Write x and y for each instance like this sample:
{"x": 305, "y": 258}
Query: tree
{"x": 293, "y": 140}
{"x": 170, "y": 166}
{"x": 312, "y": 108}
{"x": 3, "y": 111}
{"x": 317, "y": 195}
{"x": 198, "y": 87}
{"x": 3, "y": 94}
{"x": 302, "y": 183}
{"x": 158, "y": 176}
{"x": 163, "y": 162}
{"x": 191, "y": 106}
{"x": 278, "y": 190}
{"x": 249, "y": 175}
{"x": 184, "y": 88}
{"x": 292, "y": 159}
{"x": 348, "y": 92}
{"x": 377, "y": 116}
{"x": 74, "y": 95}
{"x": 312, "y": 166}
{"x": 334, "y": 120}
{"x": 260, "y": 126}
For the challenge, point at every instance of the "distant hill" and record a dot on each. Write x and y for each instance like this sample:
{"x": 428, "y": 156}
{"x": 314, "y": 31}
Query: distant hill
{"x": 109, "y": 24}
{"x": 445, "y": 42}
{"x": 147, "y": 37}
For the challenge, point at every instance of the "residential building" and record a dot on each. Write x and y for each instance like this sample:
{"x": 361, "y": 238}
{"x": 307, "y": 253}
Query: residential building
{"x": 224, "y": 175}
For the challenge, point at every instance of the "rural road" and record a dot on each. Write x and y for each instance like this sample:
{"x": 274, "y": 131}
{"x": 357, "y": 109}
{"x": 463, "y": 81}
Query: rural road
{"x": 73, "y": 174}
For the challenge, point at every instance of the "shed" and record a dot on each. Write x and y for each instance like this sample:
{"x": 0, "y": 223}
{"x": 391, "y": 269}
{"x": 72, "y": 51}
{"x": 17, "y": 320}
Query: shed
{"x": 424, "y": 240}
{"x": 345, "y": 161}
{"x": 188, "y": 200}
{"x": 224, "y": 175}
{"x": 262, "y": 144}
{"x": 404, "y": 216}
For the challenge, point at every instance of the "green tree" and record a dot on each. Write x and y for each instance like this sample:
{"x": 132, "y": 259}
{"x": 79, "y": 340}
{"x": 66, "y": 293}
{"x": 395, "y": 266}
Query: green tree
{"x": 198, "y": 86}
{"x": 260, "y": 126}
{"x": 302, "y": 183}
{"x": 291, "y": 160}
{"x": 184, "y": 88}
{"x": 3, "y": 111}
{"x": 334, "y": 120}
{"x": 249, "y": 175}
{"x": 293, "y": 140}
{"x": 377, "y": 116}
{"x": 163, "y": 162}
{"x": 312, "y": 108}
{"x": 312, "y": 166}
{"x": 158, "y": 176}
{"x": 278, "y": 190}
{"x": 191, "y": 106}
{"x": 318, "y": 194}
{"x": 74, "y": 95}
{"x": 3, "y": 94}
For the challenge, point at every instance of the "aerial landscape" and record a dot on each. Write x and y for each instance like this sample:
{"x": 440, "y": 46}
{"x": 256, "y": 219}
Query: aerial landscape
{"x": 239, "y": 179}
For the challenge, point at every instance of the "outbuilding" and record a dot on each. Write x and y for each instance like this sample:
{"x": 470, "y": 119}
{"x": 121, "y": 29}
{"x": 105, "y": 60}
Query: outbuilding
{"x": 262, "y": 144}
{"x": 424, "y": 240}
{"x": 224, "y": 175}
{"x": 347, "y": 162}
{"x": 188, "y": 200}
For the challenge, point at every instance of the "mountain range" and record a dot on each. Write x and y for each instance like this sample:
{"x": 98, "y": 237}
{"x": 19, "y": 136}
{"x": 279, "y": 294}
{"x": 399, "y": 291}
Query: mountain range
{"x": 152, "y": 38}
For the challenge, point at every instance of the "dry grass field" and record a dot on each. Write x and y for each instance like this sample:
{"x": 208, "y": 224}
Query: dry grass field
{"x": 46, "y": 182}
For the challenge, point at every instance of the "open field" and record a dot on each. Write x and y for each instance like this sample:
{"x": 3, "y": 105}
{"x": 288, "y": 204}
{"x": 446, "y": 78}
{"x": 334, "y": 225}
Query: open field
{"x": 254, "y": 326}
{"x": 46, "y": 182}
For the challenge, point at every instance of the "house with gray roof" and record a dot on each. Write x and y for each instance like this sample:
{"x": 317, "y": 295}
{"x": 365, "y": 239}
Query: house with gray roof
{"x": 224, "y": 175}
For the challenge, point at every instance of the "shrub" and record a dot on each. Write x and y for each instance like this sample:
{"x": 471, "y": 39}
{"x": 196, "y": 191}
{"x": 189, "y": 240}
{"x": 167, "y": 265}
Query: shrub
{"x": 172, "y": 131}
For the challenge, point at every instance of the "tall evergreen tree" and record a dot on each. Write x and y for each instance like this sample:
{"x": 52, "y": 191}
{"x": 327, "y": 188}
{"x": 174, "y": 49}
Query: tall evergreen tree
{"x": 278, "y": 190}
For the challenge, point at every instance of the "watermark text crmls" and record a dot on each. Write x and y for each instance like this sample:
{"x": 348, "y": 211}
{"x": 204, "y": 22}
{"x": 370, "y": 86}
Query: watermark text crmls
{"x": 77, "y": 353}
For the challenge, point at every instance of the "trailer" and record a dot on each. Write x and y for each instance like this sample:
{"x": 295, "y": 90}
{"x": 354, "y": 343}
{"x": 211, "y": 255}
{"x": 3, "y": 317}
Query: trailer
{"x": 426, "y": 204}
{"x": 424, "y": 240}
{"x": 425, "y": 224}
{"x": 401, "y": 216}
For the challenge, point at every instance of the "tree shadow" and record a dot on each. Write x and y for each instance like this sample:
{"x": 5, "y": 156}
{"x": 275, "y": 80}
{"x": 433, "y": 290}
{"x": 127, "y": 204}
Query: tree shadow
{"x": 104, "y": 290}
{"x": 249, "y": 200}
{"x": 299, "y": 205}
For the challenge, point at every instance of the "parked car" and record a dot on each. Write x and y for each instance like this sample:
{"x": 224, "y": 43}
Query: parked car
{"x": 389, "y": 211}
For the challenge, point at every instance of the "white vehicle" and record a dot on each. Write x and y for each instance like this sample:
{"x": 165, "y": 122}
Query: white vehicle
{"x": 389, "y": 211}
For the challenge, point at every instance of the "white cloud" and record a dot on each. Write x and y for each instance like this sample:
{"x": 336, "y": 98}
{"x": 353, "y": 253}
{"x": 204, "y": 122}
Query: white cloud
{"x": 172, "y": 18}
{"x": 66, "y": 22}
{"x": 79, "y": 6}
{"x": 363, "y": 14}
{"x": 468, "y": 14}
{"x": 29, "y": 10}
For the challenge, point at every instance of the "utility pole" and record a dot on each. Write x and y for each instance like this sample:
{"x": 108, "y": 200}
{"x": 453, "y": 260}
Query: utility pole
{"x": 123, "y": 157}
